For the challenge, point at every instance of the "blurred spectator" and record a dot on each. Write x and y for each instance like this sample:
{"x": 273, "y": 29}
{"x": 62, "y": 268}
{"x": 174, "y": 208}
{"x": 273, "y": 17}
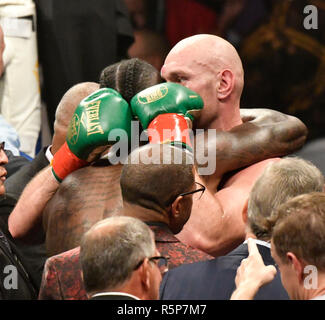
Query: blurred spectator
{"x": 9, "y": 135}
{"x": 15, "y": 163}
{"x": 138, "y": 12}
{"x": 19, "y": 86}
{"x": 77, "y": 39}
{"x": 185, "y": 18}
{"x": 240, "y": 17}
{"x": 284, "y": 64}
{"x": 19, "y": 285}
{"x": 167, "y": 17}
{"x": 149, "y": 46}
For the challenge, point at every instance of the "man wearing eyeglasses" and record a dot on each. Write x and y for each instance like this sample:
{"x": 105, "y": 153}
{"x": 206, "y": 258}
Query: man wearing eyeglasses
{"x": 120, "y": 261}
{"x": 148, "y": 195}
{"x": 162, "y": 197}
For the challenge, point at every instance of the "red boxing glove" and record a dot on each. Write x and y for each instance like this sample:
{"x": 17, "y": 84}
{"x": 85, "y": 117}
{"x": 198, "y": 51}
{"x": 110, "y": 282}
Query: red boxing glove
{"x": 65, "y": 162}
{"x": 170, "y": 128}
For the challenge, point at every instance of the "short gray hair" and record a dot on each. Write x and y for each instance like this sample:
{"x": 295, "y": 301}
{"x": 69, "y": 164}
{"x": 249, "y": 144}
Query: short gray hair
{"x": 110, "y": 251}
{"x": 279, "y": 182}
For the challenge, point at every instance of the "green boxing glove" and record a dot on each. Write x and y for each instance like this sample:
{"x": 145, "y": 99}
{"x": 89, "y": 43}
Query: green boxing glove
{"x": 163, "y": 110}
{"x": 165, "y": 98}
{"x": 93, "y": 120}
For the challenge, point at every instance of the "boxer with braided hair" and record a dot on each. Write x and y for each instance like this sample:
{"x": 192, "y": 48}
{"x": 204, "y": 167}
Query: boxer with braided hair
{"x": 129, "y": 77}
{"x": 93, "y": 193}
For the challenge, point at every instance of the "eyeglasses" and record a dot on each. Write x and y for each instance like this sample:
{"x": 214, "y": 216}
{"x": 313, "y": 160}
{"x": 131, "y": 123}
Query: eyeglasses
{"x": 201, "y": 189}
{"x": 162, "y": 263}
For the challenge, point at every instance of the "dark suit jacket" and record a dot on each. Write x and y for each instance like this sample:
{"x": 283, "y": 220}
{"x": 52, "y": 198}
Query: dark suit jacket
{"x": 34, "y": 255}
{"x": 16, "y": 183}
{"x": 15, "y": 163}
{"x": 62, "y": 273}
{"x": 215, "y": 279}
{"x": 11, "y": 256}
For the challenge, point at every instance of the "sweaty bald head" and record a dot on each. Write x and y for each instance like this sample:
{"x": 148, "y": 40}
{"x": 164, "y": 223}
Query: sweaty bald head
{"x": 66, "y": 108}
{"x": 212, "y": 67}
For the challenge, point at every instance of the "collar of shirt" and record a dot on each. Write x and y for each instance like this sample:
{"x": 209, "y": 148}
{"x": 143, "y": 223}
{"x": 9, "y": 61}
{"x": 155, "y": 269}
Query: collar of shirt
{"x": 115, "y": 294}
{"x": 261, "y": 242}
{"x": 48, "y": 154}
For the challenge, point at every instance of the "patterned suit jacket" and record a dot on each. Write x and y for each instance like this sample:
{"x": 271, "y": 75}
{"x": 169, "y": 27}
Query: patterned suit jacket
{"x": 62, "y": 278}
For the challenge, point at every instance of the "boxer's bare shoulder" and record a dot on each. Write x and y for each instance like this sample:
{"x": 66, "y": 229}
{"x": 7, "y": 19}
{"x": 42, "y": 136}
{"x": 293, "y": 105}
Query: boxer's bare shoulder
{"x": 216, "y": 225}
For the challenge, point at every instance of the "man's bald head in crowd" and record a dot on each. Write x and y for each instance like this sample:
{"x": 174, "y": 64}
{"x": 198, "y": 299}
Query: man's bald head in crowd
{"x": 66, "y": 108}
{"x": 155, "y": 175}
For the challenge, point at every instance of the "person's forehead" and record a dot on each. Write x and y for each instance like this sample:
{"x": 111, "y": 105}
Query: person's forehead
{"x": 189, "y": 66}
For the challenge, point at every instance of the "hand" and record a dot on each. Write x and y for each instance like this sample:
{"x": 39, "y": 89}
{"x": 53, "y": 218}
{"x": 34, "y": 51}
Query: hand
{"x": 252, "y": 274}
{"x": 165, "y": 98}
{"x": 89, "y": 131}
{"x": 167, "y": 111}
{"x": 282, "y": 134}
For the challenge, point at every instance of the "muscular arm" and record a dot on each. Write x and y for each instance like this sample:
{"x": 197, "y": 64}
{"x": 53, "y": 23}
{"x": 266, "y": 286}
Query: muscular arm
{"x": 264, "y": 134}
{"x": 28, "y": 211}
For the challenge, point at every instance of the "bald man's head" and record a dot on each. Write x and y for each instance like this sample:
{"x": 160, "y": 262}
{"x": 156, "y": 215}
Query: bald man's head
{"x": 155, "y": 175}
{"x": 66, "y": 108}
{"x": 212, "y": 67}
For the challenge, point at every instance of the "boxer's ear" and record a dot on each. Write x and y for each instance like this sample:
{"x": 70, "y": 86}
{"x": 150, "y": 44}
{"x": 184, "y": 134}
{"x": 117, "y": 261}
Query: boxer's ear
{"x": 226, "y": 84}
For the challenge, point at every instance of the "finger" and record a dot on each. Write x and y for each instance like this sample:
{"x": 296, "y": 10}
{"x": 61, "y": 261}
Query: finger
{"x": 270, "y": 273}
{"x": 271, "y": 270}
{"x": 252, "y": 247}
